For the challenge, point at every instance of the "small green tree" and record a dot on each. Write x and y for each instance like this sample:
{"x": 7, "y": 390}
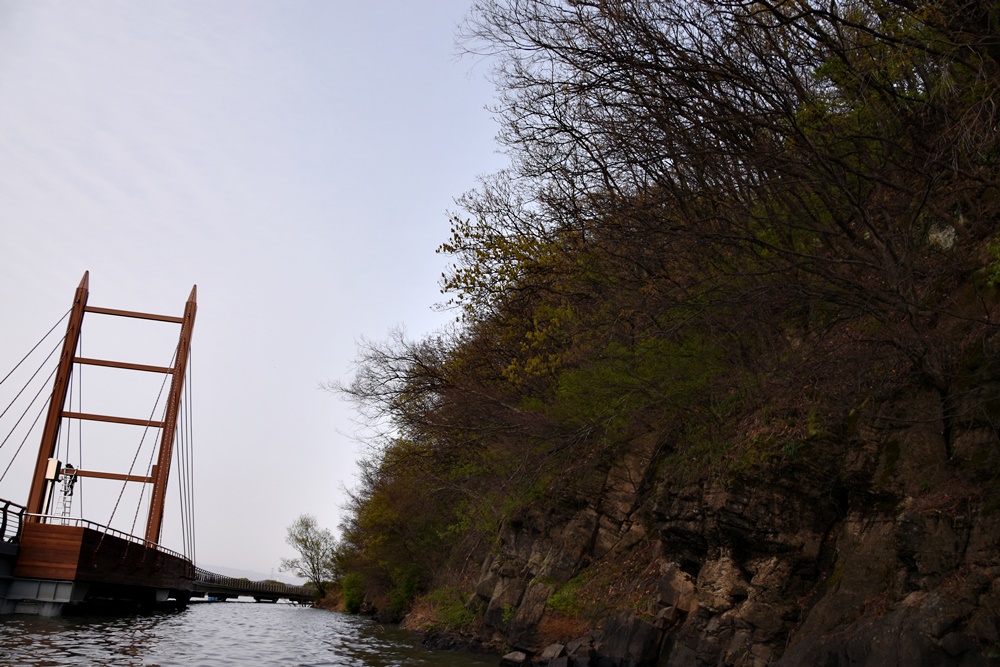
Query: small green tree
{"x": 317, "y": 547}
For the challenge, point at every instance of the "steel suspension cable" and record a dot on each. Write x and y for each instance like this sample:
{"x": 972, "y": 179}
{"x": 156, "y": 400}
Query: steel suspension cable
{"x": 79, "y": 427}
{"x": 25, "y": 439}
{"x": 190, "y": 423}
{"x": 185, "y": 467}
{"x": 38, "y": 393}
{"x": 180, "y": 490}
{"x": 11, "y": 372}
{"x": 142, "y": 491}
{"x": 66, "y": 434}
{"x": 142, "y": 440}
{"x": 182, "y": 474}
{"x": 33, "y": 376}
{"x": 186, "y": 472}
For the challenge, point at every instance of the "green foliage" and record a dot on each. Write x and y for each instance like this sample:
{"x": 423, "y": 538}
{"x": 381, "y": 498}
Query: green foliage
{"x": 450, "y": 609}
{"x": 317, "y": 549}
{"x": 624, "y": 381}
{"x": 993, "y": 267}
{"x": 508, "y": 613}
{"x": 564, "y": 600}
{"x": 353, "y": 588}
{"x": 406, "y": 586}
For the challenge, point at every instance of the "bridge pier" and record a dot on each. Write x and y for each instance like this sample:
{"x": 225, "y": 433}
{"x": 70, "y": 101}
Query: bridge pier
{"x": 39, "y": 597}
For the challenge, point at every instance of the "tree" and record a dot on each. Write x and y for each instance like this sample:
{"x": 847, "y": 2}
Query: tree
{"x": 822, "y": 161}
{"x": 723, "y": 222}
{"x": 317, "y": 548}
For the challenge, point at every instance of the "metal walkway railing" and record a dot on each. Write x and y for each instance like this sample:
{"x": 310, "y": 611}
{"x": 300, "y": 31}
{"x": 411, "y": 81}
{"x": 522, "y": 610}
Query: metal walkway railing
{"x": 218, "y": 585}
{"x": 55, "y": 520}
{"x": 14, "y": 515}
{"x": 11, "y": 519}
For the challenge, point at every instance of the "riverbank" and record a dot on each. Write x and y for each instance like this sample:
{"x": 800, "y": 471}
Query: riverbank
{"x": 880, "y": 542}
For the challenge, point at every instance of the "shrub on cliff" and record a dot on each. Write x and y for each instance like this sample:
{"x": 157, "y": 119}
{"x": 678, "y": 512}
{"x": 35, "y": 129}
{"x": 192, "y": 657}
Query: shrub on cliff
{"x": 724, "y": 223}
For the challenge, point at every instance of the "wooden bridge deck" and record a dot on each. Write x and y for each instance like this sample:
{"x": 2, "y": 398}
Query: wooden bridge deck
{"x": 47, "y": 565}
{"x": 111, "y": 566}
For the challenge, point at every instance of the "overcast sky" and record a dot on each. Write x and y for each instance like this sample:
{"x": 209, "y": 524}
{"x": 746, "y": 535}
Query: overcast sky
{"x": 296, "y": 159}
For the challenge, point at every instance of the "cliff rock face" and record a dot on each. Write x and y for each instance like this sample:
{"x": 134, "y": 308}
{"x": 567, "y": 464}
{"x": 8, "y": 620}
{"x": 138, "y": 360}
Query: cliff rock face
{"x": 878, "y": 548}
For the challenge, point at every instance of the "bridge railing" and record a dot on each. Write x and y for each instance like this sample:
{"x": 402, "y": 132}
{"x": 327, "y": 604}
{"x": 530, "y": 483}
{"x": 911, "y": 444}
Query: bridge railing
{"x": 101, "y": 528}
{"x": 11, "y": 518}
{"x": 252, "y": 588}
{"x": 14, "y": 515}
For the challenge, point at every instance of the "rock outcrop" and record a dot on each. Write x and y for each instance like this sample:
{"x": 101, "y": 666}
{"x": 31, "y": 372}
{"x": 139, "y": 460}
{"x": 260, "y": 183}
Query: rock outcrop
{"x": 875, "y": 547}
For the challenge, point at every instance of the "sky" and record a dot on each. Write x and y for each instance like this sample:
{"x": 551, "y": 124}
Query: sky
{"x": 297, "y": 160}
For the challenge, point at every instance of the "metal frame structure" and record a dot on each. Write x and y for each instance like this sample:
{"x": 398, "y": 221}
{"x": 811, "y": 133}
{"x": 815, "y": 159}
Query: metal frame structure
{"x": 56, "y": 413}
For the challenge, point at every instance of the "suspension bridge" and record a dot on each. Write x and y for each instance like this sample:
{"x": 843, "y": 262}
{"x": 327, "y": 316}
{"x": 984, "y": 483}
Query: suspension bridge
{"x": 52, "y": 560}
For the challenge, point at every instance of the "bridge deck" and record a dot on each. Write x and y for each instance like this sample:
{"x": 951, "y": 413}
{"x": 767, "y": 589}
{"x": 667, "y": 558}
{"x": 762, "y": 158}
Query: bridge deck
{"x": 223, "y": 587}
{"x": 48, "y": 562}
{"x": 102, "y": 560}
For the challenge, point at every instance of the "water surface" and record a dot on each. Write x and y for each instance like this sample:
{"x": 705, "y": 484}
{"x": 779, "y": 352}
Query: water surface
{"x": 220, "y": 635}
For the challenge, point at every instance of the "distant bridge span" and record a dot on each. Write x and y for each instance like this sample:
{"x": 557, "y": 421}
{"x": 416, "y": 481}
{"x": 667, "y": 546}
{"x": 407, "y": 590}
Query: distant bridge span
{"x": 220, "y": 587}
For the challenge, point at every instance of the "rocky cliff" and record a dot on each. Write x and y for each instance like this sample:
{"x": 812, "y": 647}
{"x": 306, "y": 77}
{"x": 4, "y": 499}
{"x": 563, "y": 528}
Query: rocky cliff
{"x": 878, "y": 546}
{"x": 723, "y": 383}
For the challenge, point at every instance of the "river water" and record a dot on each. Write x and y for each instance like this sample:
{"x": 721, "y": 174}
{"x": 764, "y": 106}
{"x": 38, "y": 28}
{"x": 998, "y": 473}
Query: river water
{"x": 221, "y": 634}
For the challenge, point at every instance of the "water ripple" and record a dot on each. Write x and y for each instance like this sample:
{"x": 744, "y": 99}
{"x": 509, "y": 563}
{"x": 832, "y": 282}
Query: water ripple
{"x": 219, "y": 635}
